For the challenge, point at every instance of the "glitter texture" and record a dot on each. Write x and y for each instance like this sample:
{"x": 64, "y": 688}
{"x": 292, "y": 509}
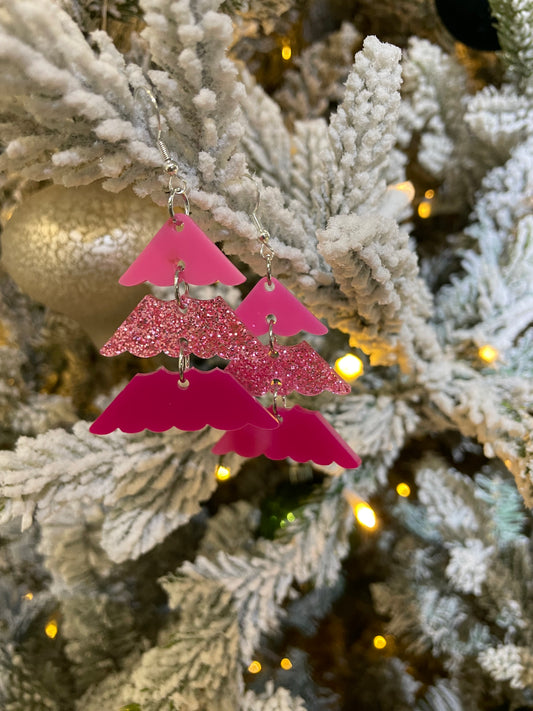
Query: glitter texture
{"x": 156, "y": 402}
{"x": 298, "y": 368}
{"x": 181, "y": 240}
{"x": 206, "y": 328}
{"x": 302, "y": 435}
{"x": 291, "y": 315}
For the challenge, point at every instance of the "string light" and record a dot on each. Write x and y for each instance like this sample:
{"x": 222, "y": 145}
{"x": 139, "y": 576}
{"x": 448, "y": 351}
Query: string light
{"x": 429, "y": 194}
{"x": 291, "y": 517}
{"x": 424, "y": 209}
{"x": 51, "y": 628}
{"x": 28, "y": 596}
{"x": 403, "y": 489}
{"x": 364, "y": 513}
{"x": 286, "y": 52}
{"x": 379, "y": 642}
{"x": 405, "y": 187}
{"x": 222, "y": 472}
{"x": 286, "y": 663}
{"x": 255, "y": 667}
{"x": 488, "y": 354}
{"x": 349, "y": 366}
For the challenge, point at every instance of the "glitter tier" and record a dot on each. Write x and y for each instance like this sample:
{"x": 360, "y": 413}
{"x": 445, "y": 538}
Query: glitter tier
{"x": 297, "y": 367}
{"x": 206, "y": 328}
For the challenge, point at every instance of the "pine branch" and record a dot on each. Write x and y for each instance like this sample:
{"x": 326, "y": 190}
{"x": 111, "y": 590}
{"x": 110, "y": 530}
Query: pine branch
{"x": 514, "y": 23}
{"x": 260, "y": 581}
{"x": 149, "y": 485}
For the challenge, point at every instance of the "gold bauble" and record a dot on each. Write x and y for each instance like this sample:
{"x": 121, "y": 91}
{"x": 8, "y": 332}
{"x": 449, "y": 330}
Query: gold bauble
{"x": 67, "y": 247}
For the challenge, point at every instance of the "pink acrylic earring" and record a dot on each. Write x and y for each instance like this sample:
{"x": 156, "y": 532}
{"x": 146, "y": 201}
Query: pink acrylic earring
{"x": 302, "y": 435}
{"x": 179, "y": 254}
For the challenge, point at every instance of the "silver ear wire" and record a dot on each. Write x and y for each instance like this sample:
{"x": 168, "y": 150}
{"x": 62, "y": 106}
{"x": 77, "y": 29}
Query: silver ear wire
{"x": 266, "y": 251}
{"x": 170, "y": 166}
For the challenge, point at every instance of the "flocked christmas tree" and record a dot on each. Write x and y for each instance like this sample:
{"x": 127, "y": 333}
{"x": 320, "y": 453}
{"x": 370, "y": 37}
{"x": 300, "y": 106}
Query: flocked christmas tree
{"x": 396, "y": 181}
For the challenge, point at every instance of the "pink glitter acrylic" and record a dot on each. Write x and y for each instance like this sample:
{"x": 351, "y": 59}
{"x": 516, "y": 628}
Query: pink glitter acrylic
{"x": 206, "y": 328}
{"x": 203, "y": 261}
{"x": 291, "y": 315}
{"x": 302, "y": 435}
{"x": 157, "y": 402}
{"x": 297, "y": 367}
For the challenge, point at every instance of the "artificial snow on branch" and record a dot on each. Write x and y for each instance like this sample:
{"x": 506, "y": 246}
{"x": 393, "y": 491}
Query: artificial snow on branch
{"x": 148, "y": 486}
{"x": 461, "y": 575}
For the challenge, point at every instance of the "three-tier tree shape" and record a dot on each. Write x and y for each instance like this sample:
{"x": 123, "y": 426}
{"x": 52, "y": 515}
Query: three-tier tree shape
{"x": 302, "y": 434}
{"x": 181, "y": 254}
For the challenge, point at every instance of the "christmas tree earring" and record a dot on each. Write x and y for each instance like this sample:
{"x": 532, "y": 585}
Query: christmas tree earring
{"x": 302, "y": 435}
{"x": 180, "y": 254}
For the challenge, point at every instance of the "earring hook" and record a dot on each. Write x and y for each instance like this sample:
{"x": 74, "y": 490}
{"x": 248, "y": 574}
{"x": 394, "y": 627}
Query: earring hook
{"x": 264, "y": 234}
{"x": 266, "y": 251}
{"x": 169, "y": 164}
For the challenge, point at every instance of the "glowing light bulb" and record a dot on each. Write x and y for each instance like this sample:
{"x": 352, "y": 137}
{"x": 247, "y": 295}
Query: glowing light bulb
{"x": 488, "y": 354}
{"x": 286, "y": 52}
{"x": 28, "y": 596}
{"x": 363, "y": 512}
{"x": 291, "y": 517}
{"x": 429, "y": 194}
{"x": 365, "y": 515}
{"x": 51, "y": 628}
{"x": 424, "y": 209}
{"x": 349, "y": 366}
{"x": 286, "y": 663}
{"x": 222, "y": 473}
{"x": 379, "y": 642}
{"x": 406, "y": 187}
{"x": 403, "y": 489}
{"x": 255, "y": 667}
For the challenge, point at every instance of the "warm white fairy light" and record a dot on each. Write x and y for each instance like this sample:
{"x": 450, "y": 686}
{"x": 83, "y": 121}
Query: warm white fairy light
{"x": 405, "y": 187}
{"x": 51, "y": 628}
{"x": 488, "y": 353}
{"x": 286, "y": 52}
{"x": 255, "y": 667}
{"x": 424, "y": 209}
{"x": 379, "y": 641}
{"x": 222, "y": 472}
{"x": 349, "y": 366}
{"x": 403, "y": 489}
{"x": 363, "y": 512}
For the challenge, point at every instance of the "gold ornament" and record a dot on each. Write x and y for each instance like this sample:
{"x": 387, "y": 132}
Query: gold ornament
{"x": 67, "y": 247}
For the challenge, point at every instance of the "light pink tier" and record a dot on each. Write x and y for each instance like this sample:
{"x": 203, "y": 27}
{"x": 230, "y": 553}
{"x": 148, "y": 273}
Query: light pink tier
{"x": 181, "y": 240}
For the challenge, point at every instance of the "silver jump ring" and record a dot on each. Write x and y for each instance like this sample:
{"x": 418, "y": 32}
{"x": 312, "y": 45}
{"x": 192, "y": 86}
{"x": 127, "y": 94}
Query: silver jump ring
{"x": 170, "y": 203}
{"x": 268, "y": 255}
{"x": 277, "y": 383}
{"x": 184, "y": 360}
{"x": 178, "y": 282}
{"x": 271, "y": 319}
